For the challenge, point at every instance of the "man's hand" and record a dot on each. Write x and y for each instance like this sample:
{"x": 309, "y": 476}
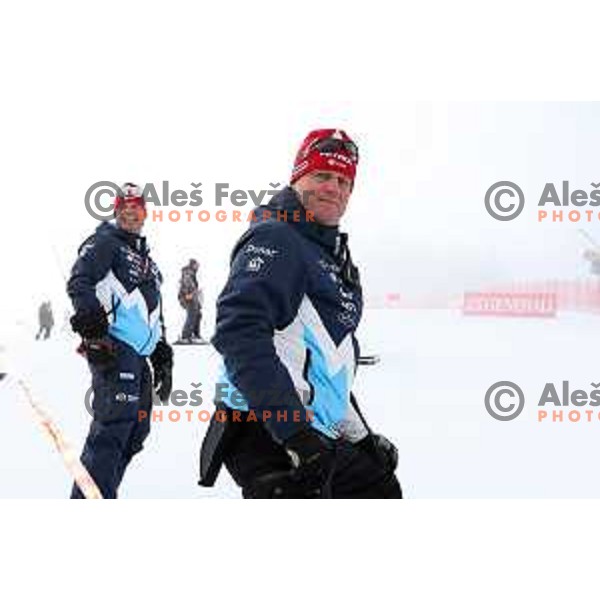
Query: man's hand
{"x": 312, "y": 458}
{"x": 101, "y": 352}
{"x": 162, "y": 364}
{"x": 382, "y": 450}
{"x": 90, "y": 324}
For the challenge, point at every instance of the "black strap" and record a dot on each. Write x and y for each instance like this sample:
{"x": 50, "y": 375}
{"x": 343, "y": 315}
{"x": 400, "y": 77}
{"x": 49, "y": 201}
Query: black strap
{"x": 214, "y": 447}
{"x": 359, "y": 412}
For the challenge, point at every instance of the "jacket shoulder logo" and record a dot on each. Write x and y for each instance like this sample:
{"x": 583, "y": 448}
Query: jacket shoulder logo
{"x": 264, "y": 250}
{"x": 255, "y": 264}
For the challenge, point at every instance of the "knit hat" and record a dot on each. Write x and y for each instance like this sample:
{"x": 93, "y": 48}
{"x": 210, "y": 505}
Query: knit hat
{"x": 130, "y": 193}
{"x": 326, "y": 150}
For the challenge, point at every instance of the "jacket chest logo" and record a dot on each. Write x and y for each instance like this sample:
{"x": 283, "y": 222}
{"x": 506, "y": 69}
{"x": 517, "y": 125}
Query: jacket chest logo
{"x": 348, "y": 313}
{"x": 138, "y": 267}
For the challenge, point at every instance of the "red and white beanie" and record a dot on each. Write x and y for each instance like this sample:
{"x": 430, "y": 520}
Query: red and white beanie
{"x": 130, "y": 193}
{"x": 326, "y": 150}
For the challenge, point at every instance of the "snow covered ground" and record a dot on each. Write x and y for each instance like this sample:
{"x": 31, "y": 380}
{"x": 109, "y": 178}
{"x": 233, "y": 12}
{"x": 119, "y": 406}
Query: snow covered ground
{"x": 427, "y": 394}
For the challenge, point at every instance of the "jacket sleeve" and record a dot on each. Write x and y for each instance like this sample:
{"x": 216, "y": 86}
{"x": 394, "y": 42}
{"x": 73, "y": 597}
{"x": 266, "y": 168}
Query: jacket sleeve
{"x": 266, "y": 285}
{"x": 94, "y": 261}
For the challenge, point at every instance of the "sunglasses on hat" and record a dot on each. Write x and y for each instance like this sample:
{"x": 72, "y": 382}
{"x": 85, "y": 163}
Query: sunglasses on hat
{"x": 333, "y": 145}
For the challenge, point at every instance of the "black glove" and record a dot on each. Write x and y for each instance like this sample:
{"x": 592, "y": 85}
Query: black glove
{"x": 101, "y": 352}
{"x": 312, "y": 459}
{"x": 382, "y": 451}
{"x": 162, "y": 364}
{"x": 90, "y": 324}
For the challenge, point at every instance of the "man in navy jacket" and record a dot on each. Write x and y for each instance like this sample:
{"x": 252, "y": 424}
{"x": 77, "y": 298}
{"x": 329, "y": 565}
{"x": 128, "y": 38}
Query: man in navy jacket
{"x": 115, "y": 291}
{"x": 285, "y": 329}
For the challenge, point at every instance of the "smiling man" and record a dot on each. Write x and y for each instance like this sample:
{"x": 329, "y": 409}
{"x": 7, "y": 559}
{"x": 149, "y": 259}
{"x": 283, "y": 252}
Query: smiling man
{"x": 285, "y": 329}
{"x": 115, "y": 290}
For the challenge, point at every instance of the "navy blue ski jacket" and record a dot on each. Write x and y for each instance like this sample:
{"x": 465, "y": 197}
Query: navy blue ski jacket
{"x": 114, "y": 271}
{"x": 286, "y": 321}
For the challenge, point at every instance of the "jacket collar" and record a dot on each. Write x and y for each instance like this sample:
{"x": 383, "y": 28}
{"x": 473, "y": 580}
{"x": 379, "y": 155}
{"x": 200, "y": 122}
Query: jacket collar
{"x": 133, "y": 240}
{"x": 288, "y": 201}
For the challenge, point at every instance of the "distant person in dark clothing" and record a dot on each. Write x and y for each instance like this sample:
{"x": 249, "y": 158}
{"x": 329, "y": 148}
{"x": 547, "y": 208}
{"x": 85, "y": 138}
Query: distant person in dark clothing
{"x": 46, "y": 320}
{"x": 190, "y": 298}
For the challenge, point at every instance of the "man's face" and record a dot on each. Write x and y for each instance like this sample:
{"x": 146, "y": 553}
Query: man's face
{"x": 325, "y": 194}
{"x": 131, "y": 217}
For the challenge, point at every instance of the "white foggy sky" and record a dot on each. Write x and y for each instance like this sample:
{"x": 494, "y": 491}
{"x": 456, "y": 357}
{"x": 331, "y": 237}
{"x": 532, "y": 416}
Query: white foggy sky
{"x": 416, "y": 218}
{"x": 148, "y": 92}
